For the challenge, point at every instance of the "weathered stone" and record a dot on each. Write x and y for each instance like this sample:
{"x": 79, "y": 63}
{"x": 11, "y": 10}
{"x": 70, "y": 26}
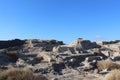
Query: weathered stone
{"x": 45, "y": 57}
{"x": 81, "y": 44}
{"x": 56, "y": 60}
{"x": 20, "y": 63}
{"x": 11, "y": 43}
{"x": 92, "y": 58}
{"x": 64, "y": 48}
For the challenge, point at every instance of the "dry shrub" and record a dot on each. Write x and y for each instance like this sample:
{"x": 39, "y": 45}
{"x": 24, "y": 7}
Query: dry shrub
{"x": 106, "y": 64}
{"x": 13, "y": 54}
{"x": 3, "y": 76}
{"x": 20, "y": 74}
{"x": 113, "y": 75}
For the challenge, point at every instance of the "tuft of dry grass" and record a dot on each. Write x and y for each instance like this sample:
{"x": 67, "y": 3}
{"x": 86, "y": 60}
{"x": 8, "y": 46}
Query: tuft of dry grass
{"x": 13, "y": 54}
{"x": 113, "y": 75}
{"x": 20, "y": 74}
{"x": 3, "y": 76}
{"x": 106, "y": 64}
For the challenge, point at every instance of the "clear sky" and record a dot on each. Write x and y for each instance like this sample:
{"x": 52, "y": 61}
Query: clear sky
{"x": 64, "y": 20}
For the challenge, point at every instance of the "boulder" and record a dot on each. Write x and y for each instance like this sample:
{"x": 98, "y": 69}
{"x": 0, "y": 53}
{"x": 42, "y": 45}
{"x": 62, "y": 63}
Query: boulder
{"x": 92, "y": 58}
{"x": 117, "y": 58}
{"x": 64, "y": 48}
{"x": 45, "y": 57}
{"x": 20, "y": 63}
{"x": 81, "y": 44}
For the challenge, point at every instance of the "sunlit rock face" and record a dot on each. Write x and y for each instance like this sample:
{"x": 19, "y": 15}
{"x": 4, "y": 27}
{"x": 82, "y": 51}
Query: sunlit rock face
{"x": 84, "y": 44}
{"x": 57, "y": 60}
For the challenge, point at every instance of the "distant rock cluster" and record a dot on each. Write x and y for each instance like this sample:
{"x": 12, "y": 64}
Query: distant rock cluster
{"x": 57, "y": 60}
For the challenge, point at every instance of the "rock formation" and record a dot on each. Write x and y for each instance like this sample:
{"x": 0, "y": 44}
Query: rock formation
{"x": 56, "y": 60}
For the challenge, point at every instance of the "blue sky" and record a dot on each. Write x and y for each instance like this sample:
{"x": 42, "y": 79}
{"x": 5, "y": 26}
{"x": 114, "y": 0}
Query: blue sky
{"x": 64, "y": 20}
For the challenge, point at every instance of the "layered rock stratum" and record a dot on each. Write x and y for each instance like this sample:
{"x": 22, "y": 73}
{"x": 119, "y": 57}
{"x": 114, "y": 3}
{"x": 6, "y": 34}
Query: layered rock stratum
{"x": 57, "y": 60}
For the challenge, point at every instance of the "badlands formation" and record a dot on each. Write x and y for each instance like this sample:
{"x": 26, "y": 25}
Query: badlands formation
{"x": 55, "y": 60}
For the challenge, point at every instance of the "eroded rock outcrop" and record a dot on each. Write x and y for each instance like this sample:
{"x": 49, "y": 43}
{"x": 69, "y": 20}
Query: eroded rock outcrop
{"x": 54, "y": 58}
{"x": 11, "y": 43}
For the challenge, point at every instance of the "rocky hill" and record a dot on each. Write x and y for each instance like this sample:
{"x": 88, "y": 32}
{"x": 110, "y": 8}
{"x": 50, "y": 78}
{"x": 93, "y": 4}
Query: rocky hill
{"x": 58, "y": 61}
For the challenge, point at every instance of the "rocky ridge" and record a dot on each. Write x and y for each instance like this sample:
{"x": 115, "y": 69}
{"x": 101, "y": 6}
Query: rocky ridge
{"x": 59, "y": 61}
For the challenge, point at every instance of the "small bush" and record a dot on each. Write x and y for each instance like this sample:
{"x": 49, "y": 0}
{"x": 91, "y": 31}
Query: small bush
{"x": 20, "y": 74}
{"x": 3, "y": 76}
{"x": 13, "y": 54}
{"x": 113, "y": 75}
{"x": 105, "y": 64}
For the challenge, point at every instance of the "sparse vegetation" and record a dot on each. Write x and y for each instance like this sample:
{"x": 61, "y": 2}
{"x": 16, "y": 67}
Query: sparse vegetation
{"x": 113, "y": 75}
{"x": 20, "y": 74}
{"x": 106, "y": 64}
{"x": 13, "y": 54}
{"x": 3, "y": 76}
